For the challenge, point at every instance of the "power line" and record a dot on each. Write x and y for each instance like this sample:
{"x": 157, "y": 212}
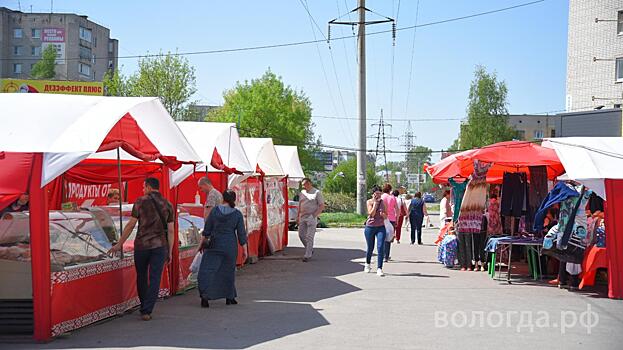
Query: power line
{"x": 395, "y": 119}
{"x": 305, "y": 42}
{"x": 313, "y": 21}
{"x": 417, "y": 13}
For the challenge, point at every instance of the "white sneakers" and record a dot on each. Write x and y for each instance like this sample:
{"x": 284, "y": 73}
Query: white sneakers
{"x": 368, "y": 269}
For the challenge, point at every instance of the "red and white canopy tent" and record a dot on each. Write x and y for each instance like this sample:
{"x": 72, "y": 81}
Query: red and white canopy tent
{"x": 44, "y": 136}
{"x": 272, "y": 179}
{"x": 222, "y": 159}
{"x": 291, "y": 164}
{"x": 597, "y": 162}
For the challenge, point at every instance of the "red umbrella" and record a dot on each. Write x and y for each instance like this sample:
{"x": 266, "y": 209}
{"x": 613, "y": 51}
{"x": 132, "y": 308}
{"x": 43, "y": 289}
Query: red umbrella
{"x": 509, "y": 156}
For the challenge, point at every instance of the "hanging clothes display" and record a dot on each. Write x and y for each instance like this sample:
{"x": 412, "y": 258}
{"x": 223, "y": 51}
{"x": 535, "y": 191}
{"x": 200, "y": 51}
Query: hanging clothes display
{"x": 474, "y": 200}
{"x": 514, "y": 191}
{"x": 458, "y": 191}
{"x": 494, "y": 222}
{"x": 558, "y": 194}
{"x": 537, "y": 191}
{"x": 595, "y": 203}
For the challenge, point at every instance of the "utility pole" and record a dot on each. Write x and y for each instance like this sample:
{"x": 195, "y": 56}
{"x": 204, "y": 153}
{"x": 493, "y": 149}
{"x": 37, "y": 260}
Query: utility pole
{"x": 361, "y": 152}
{"x": 361, "y": 146}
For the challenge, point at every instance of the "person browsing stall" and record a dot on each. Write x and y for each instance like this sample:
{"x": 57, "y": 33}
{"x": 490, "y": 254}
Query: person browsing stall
{"x": 311, "y": 205}
{"x": 213, "y": 197}
{"x": 153, "y": 243}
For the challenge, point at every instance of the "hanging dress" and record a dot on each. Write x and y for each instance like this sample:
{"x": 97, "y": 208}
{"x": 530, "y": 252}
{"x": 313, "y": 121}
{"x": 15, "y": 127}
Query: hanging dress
{"x": 474, "y": 200}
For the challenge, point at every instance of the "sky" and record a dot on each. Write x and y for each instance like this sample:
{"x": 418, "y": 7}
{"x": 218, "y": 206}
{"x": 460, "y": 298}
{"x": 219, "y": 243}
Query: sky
{"x": 526, "y": 47}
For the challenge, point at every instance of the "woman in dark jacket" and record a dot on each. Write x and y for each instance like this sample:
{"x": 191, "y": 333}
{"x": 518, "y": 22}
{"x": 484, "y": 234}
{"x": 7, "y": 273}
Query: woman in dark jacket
{"x": 217, "y": 272}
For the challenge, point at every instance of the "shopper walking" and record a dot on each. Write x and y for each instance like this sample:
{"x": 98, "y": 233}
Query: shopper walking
{"x": 375, "y": 230}
{"x": 224, "y": 229}
{"x": 153, "y": 243}
{"x": 402, "y": 212}
{"x": 417, "y": 211}
{"x": 391, "y": 205}
{"x": 311, "y": 205}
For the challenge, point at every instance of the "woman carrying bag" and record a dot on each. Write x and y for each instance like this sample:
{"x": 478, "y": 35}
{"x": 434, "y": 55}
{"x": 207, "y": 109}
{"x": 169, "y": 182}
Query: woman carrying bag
{"x": 375, "y": 230}
{"x": 223, "y": 230}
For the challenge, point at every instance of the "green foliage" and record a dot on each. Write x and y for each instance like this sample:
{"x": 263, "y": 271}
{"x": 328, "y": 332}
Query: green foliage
{"x": 266, "y": 107}
{"x": 487, "y": 115}
{"x": 167, "y": 76}
{"x": 417, "y": 157}
{"x": 342, "y": 219}
{"x": 339, "y": 203}
{"x": 347, "y": 184}
{"x": 45, "y": 68}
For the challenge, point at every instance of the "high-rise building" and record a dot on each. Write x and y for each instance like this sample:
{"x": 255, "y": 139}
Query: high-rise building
{"x": 595, "y": 55}
{"x": 85, "y": 50}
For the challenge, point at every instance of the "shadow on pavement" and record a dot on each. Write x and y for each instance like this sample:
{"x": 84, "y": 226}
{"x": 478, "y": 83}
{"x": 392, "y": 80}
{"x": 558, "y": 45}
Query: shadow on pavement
{"x": 415, "y": 274}
{"x": 274, "y": 297}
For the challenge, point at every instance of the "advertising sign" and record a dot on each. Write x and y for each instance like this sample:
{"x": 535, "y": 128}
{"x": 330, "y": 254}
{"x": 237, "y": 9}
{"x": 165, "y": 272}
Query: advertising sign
{"x": 56, "y": 38}
{"x": 52, "y": 87}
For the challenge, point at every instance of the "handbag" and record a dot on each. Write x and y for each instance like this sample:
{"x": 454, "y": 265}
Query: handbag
{"x": 389, "y": 231}
{"x": 403, "y": 208}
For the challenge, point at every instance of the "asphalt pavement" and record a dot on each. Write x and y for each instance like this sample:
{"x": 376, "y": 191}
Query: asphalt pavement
{"x": 329, "y": 303}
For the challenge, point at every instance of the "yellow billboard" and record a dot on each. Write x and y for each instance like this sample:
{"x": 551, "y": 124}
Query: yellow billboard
{"x": 52, "y": 87}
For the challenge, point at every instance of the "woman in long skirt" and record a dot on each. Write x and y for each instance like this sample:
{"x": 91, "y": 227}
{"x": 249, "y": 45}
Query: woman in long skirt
{"x": 217, "y": 272}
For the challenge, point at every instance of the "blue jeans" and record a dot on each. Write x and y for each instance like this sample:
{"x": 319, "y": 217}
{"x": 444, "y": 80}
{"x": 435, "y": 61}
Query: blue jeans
{"x": 149, "y": 264}
{"x": 416, "y": 226}
{"x": 378, "y": 233}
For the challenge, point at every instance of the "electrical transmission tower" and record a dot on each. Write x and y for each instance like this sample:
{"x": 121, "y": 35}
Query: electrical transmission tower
{"x": 381, "y": 146}
{"x": 408, "y": 143}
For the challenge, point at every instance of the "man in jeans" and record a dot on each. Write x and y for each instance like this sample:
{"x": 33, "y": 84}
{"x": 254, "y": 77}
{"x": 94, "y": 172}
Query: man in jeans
{"x": 311, "y": 204}
{"x": 153, "y": 243}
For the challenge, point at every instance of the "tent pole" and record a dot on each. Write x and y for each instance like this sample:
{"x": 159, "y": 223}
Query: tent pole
{"x": 120, "y": 196}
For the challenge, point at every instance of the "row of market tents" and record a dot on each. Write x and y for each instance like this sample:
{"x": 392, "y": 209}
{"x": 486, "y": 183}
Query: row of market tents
{"x": 50, "y": 141}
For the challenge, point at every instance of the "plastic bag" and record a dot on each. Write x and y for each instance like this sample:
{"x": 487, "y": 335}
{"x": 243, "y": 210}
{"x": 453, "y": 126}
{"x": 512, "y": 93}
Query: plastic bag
{"x": 389, "y": 231}
{"x": 194, "y": 266}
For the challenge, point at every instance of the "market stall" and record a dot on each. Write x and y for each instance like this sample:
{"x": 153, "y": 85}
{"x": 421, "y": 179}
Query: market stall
{"x": 597, "y": 162}
{"x": 271, "y": 179}
{"x": 70, "y": 129}
{"x": 496, "y": 191}
{"x": 222, "y": 155}
{"x": 289, "y": 159}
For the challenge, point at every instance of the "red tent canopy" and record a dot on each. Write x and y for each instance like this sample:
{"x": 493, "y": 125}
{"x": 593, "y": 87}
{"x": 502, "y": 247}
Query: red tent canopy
{"x": 509, "y": 156}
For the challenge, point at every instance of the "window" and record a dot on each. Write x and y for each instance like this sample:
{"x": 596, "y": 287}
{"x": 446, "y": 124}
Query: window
{"x": 552, "y": 133}
{"x": 93, "y": 59}
{"x": 85, "y": 34}
{"x": 17, "y": 50}
{"x": 32, "y": 65}
{"x": 620, "y": 22}
{"x": 17, "y": 68}
{"x": 35, "y": 33}
{"x": 85, "y": 53}
{"x": 616, "y": 105}
{"x": 111, "y": 47}
{"x": 111, "y": 64}
{"x": 619, "y": 69}
{"x": 84, "y": 69}
{"x": 35, "y": 50}
{"x": 18, "y": 33}
{"x": 538, "y": 134}
{"x": 521, "y": 135}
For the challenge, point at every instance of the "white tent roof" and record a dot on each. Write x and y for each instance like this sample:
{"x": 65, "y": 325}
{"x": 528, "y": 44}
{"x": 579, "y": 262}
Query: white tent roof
{"x": 205, "y": 138}
{"x": 590, "y": 160}
{"x": 261, "y": 152}
{"x": 289, "y": 159}
{"x": 69, "y": 128}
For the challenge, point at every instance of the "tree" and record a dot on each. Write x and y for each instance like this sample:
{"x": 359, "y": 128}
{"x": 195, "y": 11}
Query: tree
{"x": 417, "y": 157}
{"x": 487, "y": 115}
{"x": 45, "y": 68}
{"x": 169, "y": 77}
{"x": 266, "y": 107}
{"x": 117, "y": 84}
{"x": 343, "y": 179}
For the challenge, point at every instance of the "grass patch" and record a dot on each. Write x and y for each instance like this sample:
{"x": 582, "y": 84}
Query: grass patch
{"x": 432, "y": 207}
{"x": 342, "y": 219}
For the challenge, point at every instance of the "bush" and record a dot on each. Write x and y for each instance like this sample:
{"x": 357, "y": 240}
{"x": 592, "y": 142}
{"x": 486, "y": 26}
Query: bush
{"x": 339, "y": 203}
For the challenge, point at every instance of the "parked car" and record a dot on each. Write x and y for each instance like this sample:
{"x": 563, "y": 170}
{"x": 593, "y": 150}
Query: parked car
{"x": 293, "y": 212}
{"x": 428, "y": 198}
